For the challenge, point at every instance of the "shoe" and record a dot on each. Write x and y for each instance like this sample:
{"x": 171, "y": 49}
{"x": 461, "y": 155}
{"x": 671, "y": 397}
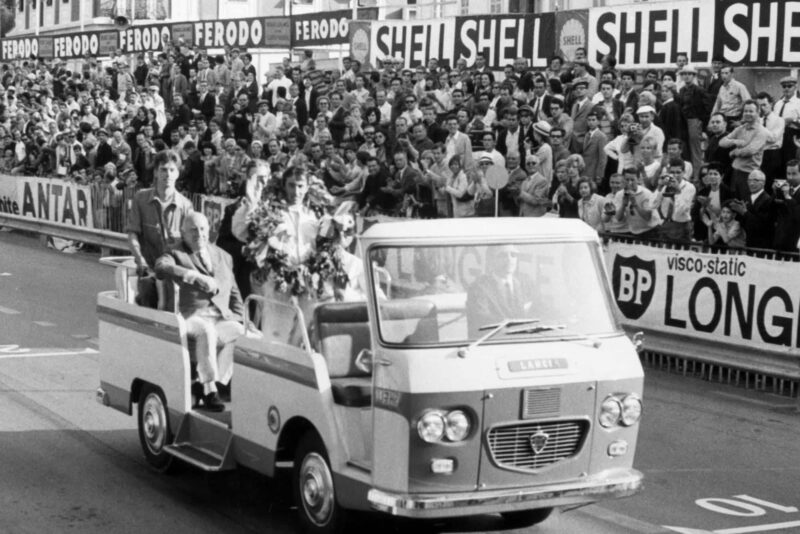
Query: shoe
{"x": 212, "y": 403}
{"x": 197, "y": 392}
{"x": 224, "y": 391}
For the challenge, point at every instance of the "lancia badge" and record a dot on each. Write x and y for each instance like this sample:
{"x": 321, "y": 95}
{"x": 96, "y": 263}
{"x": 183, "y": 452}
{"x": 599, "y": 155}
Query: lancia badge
{"x": 538, "y": 441}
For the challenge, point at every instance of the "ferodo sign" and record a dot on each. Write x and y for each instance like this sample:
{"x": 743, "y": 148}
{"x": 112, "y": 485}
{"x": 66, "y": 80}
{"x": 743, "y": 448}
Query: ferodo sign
{"x": 326, "y": 28}
{"x": 740, "y": 300}
{"x": 144, "y": 38}
{"x": 80, "y": 44}
{"x": 240, "y": 33}
{"x": 19, "y": 48}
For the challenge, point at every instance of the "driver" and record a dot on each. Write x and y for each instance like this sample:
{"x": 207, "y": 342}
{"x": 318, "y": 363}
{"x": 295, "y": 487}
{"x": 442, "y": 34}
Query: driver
{"x": 500, "y": 293}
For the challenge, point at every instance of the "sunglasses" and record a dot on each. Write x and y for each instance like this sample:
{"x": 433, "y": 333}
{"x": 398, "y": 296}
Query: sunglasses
{"x": 531, "y": 163}
{"x": 788, "y": 86}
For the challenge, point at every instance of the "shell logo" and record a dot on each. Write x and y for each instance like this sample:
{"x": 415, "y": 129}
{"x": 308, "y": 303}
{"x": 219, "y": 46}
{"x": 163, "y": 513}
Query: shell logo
{"x": 573, "y": 36}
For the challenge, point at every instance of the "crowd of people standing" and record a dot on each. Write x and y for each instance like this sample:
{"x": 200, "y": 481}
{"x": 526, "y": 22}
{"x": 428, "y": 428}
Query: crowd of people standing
{"x": 654, "y": 154}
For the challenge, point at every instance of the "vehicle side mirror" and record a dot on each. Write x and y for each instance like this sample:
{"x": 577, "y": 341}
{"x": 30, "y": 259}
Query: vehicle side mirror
{"x": 364, "y": 361}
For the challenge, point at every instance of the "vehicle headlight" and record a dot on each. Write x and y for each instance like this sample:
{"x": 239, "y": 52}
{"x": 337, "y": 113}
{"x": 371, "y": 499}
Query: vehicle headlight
{"x": 631, "y": 409}
{"x": 610, "y": 412}
{"x": 431, "y": 426}
{"x": 457, "y": 425}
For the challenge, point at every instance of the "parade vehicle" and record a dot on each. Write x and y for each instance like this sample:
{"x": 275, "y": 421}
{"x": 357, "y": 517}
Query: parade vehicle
{"x": 419, "y": 401}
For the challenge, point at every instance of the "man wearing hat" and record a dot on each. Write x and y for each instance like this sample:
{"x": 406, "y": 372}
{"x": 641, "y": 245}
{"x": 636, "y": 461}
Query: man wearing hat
{"x": 692, "y": 99}
{"x": 544, "y": 151}
{"x": 581, "y": 73}
{"x": 648, "y": 130}
{"x": 788, "y": 108}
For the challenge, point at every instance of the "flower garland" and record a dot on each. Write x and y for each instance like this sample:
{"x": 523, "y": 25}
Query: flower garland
{"x": 315, "y": 275}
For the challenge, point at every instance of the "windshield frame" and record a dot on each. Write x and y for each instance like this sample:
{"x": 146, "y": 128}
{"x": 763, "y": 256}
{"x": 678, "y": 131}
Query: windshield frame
{"x": 595, "y": 253}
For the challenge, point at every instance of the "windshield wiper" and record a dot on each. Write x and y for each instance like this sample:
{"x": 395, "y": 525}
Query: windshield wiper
{"x": 539, "y": 328}
{"x": 495, "y": 328}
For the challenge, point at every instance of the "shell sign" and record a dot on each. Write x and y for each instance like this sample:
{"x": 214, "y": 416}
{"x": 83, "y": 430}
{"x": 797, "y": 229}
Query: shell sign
{"x": 571, "y": 29}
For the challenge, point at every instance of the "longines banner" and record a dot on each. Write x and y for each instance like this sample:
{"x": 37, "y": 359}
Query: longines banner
{"x": 721, "y": 298}
{"x": 47, "y": 199}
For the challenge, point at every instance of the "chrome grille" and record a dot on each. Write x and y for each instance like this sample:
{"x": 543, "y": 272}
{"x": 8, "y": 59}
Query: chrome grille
{"x": 511, "y": 446}
{"x": 536, "y": 402}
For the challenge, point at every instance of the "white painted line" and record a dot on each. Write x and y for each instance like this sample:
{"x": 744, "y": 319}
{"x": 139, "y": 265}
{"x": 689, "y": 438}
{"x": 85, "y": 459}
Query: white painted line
{"x": 748, "y": 400}
{"x": 43, "y": 323}
{"x": 759, "y": 528}
{"x": 8, "y": 311}
{"x": 5, "y": 274}
{"x": 46, "y": 353}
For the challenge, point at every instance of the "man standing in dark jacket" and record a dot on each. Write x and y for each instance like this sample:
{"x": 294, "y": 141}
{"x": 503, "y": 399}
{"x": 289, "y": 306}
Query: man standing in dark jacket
{"x": 694, "y": 104}
{"x": 787, "y": 209}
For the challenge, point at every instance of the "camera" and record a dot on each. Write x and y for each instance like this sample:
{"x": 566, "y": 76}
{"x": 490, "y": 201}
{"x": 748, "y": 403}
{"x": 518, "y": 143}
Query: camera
{"x": 778, "y": 184}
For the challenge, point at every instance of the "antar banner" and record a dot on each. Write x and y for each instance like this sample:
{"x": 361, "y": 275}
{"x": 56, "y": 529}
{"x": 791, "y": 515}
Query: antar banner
{"x": 651, "y": 36}
{"x": 758, "y": 33}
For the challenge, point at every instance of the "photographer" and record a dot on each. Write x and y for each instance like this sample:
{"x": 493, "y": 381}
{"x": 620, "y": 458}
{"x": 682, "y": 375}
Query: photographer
{"x": 673, "y": 200}
{"x": 787, "y": 208}
{"x": 635, "y": 207}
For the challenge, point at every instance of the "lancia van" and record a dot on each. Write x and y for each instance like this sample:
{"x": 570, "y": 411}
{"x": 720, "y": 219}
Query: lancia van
{"x": 482, "y": 373}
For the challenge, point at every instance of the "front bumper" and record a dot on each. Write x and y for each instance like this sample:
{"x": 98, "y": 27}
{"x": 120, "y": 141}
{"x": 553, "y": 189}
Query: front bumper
{"x": 609, "y": 484}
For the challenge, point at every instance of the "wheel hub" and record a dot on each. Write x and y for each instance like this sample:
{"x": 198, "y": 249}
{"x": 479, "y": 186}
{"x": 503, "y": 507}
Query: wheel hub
{"x": 316, "y": 488}
{"x": 154, "y": 423}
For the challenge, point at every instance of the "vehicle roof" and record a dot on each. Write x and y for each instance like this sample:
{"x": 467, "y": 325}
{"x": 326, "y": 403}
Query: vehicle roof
{"x": 485, "y": 229}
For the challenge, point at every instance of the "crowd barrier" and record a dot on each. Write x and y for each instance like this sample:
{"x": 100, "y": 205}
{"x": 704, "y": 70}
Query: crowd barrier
{"x": 725, "y": 314}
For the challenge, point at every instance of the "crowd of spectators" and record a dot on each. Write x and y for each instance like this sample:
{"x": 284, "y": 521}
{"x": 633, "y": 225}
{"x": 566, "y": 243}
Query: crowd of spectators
{"x": 655, "y": 154}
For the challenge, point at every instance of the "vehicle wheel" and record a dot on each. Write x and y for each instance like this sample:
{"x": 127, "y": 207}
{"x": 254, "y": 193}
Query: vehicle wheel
{"x": 314, "y": 492}
{"x": 154, "y": 431}
{"x": 526, "y": 518}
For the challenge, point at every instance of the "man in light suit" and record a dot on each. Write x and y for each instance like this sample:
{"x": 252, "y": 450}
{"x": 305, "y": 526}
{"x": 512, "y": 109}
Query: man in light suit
{"x": 209, "y": 301}
{"x": 594, "y": 154}
{"x": 580, "y": 112}
{"x": 500, "y": 293}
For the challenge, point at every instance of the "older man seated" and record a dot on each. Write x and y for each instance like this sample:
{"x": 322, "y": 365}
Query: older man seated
{"x": 210, "y": 302}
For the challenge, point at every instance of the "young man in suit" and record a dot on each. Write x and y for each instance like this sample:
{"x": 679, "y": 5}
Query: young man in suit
{"x": 210, "y": 302}
{"x": 756, "y": 212}
{"x": 580, "y": 113}
{"x": 594, "y": 155}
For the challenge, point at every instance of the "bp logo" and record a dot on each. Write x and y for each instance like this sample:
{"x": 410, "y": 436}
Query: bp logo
{"x": 633, "y": 280}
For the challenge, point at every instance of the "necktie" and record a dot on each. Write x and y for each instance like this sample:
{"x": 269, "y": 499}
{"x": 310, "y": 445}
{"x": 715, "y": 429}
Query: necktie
{"x": 536, "y": 108}
{"x": 783, "y": 105}
{"x": 765, "y": 121}
{"x": 205, "y": 259}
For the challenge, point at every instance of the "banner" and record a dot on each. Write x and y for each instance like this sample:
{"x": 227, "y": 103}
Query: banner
{"x": 502, "y": 38}
{"x": 652, "y": 35}
{"x": 571, "y": 32}
{"x": 214, "y": 208}
{"x": 413, "y": 40}
{"x": 84, "y": 44}
{"x": 758, "y": 33}
{"x": 326, "y": 28}
{"x": 19, "y": 48}
{"x": 147, "y": 38}
{"x": 360, "y": 37}
{"x": 734, "y": 299}
{"x": 242, "y": 33}
{"x": 47, "y": 199}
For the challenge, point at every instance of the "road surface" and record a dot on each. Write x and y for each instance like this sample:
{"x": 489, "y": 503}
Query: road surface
{"x": 716, "y": 458}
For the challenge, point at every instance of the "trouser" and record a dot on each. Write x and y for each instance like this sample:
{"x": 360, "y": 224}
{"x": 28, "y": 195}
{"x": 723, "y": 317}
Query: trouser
{"x": 739, "y": 184}
{"x": 772, "y": 166}
{"x": 211, "y": 334}
{"x": 695, "y": 128}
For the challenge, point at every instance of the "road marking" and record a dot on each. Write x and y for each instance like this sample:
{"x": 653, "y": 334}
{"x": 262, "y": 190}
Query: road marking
{"x": 43, "y": 353}
{"x": 44, "y": 323}
{"x": 5, "y": 274}
{"x": 8, "y": 311}
{"x": 751, "y": 401}
{"x": 759, "y": 528}
{"x": 622, "y": 520}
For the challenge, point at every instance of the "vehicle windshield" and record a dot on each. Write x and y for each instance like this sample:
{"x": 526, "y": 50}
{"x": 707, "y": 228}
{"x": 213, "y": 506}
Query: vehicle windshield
{"x": 450, "y": 295}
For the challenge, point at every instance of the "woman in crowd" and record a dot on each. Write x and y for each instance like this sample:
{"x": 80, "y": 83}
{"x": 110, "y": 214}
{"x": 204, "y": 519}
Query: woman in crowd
{"x": 458, "y": 188}
{"x": 590, "y": 205}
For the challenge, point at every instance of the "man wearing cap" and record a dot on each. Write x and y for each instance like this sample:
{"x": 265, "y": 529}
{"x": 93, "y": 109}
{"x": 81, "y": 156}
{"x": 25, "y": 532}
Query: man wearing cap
{"x": 788, "y": 108}
{"x": 544, "y": 152}
{"x": 648, "y": 130}
{"x": 580, "y": 113}
{"x": 692, "y": 99}
{"x": 489, "y": 150}
{"x": 582, "y": 75}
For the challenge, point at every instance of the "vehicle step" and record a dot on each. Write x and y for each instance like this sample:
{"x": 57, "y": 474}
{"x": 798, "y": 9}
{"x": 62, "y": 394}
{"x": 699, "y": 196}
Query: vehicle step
{"x": 202, "y": 459}
{"x": 215, "y": 418}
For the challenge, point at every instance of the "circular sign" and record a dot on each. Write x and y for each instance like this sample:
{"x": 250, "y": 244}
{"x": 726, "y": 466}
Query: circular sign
{"x": 496, "y": 177}
{"x": 359, "y": 45}
{"x": 572, "y": 37}
{"x": 274, "y": 419}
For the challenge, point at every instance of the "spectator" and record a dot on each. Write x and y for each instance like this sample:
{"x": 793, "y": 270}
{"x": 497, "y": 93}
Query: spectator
{"x": 594, "y": 151}
{"x": 787, "y": 209}
{"x": 533, "y": 192}
{"x": 634, "y": 205}
{"x": 756, "y": 212}
{"x": 747, "y": 142}
{"x": 673, "y": 200}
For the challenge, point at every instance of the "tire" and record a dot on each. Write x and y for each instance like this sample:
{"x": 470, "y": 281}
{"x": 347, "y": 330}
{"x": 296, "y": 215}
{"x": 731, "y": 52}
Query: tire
{"x": 313, "y": 489}
{"x": 526, "y": 518}
{"x": 154, "y": 430}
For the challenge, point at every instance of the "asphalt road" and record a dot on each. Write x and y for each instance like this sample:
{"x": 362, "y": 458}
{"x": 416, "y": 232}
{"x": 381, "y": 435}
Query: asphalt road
{"x": 716, "y": 458}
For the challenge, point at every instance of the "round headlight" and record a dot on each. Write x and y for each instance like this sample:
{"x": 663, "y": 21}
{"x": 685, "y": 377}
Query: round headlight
{"x": 631, "y": 409}
{"x": 457, "y": 425}
{"x": 431, "y": 427}
{"x": 610, "y": 412}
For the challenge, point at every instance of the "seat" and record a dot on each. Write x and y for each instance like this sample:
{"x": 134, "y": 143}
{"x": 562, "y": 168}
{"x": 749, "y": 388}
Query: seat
{"x": 342, "y": 331}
